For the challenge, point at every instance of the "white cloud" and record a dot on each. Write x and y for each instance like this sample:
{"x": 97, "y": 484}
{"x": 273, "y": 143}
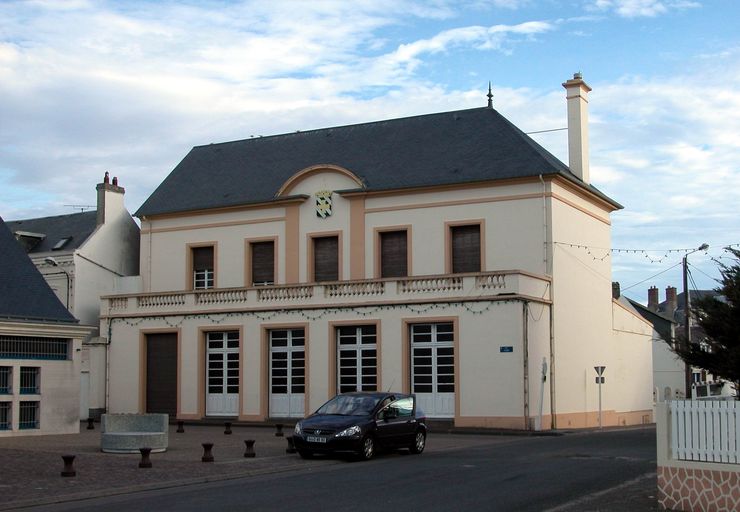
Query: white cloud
{"x": 641, "y": 8}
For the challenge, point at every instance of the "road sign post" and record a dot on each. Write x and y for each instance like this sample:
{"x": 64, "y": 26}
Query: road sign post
{"x": 599, "y": 381}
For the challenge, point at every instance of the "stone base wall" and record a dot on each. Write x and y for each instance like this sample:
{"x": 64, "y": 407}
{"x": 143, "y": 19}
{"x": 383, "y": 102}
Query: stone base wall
{"x": 698, "y": 490}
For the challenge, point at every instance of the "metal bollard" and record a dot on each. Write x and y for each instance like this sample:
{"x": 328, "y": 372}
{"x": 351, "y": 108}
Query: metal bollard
{"x": 145, "y": 460}
{"x": 227, "y": 427}
{"x": 180, "y": 427}
{"x": 291, "y": 445}
{"x": 90, "y": 424}
{"x": 279, "y": 427}
{"x": 69, "y": 469}
{"x": 249, "y": 450}
{"x": 207, "y": 455}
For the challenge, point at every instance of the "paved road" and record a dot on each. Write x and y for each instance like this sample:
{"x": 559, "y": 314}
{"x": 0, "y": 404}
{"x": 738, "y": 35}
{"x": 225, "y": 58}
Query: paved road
{"x": 608, "y": 471}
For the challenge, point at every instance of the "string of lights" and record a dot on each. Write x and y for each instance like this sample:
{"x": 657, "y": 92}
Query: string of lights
{"x": 652, "y": 255}
{"x": 176, "y": 320}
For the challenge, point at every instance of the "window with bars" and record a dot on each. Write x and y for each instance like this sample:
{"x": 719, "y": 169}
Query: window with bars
{"x": 394, "y": 253}
{"x": 203, "y": 273}
{"x": 433, "y": 358}
{"x": 6, "y": 380}
{"x": 326, "y": 258}
{"x": 28, "y": 415}
{"x": 30, "y": 380}
{"x": 263, "y": 263}
{"x": 357, "y": 358}
{"x": 466, "y": 250}
{"x": 25, "y": 347}
{"x": 287, "y": 361}
{"x": 5, "y": 417}
{"x": 223, "y": 362}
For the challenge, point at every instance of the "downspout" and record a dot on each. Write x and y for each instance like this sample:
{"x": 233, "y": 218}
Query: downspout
{"x": 548, "y": 271}
{"x": 107, "y": 361}
{"x": 525, "y": 356}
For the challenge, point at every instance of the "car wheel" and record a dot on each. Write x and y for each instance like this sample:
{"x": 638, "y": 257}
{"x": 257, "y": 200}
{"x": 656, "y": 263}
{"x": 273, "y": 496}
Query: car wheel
{"x": 420, "y": 441}
{"x": 368, "y": 448}
{"x": 305, "y": 454}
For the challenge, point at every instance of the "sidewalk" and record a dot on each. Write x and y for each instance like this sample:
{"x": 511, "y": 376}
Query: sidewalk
{"x": 31, "y": 465}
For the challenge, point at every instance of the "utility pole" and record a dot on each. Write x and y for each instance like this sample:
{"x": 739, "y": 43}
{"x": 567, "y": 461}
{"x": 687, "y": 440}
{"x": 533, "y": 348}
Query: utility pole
{"x": 687, "y": 316}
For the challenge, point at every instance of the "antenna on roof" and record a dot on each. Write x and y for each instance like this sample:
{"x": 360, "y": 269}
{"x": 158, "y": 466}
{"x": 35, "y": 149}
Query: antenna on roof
{"x": 490, "y": 96}
{"x": 82, "y": 207}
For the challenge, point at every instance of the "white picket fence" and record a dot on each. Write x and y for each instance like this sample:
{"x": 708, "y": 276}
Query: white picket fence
{"x": 705, "y": 430}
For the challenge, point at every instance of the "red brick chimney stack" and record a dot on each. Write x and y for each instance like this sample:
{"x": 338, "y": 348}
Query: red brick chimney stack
{"x": 671, "y": 299}
{"x": 653, "y": 298}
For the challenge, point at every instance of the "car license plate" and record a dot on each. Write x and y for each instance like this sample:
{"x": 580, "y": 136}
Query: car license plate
{"x": 315, "y": 439}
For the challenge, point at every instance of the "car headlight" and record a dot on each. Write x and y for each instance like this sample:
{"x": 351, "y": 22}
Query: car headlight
{"x": 297, "y": 429}
{"x": 347, "y": 432}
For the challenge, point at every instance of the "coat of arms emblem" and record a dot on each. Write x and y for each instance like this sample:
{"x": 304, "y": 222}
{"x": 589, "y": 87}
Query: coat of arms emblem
{"x": 323, "y": 203}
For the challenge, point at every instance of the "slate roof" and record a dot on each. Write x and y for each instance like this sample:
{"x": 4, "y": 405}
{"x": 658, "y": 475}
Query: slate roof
{"x": 24, "y": 294}
{"x": 78, "y": 226}
{"x": 465, "y": 146}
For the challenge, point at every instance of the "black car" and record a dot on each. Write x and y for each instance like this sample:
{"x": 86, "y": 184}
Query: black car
{"x": 362, "y": 423}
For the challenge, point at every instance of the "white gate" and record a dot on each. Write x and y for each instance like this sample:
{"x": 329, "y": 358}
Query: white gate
{"x": 222, "y": 373}
{"x": 287, "y": 373}
{"x": 433, "y": 368}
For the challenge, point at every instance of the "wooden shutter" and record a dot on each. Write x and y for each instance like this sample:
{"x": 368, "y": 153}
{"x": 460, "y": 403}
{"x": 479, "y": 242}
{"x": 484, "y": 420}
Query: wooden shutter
{"x": 466, "y": 253}
{"x": 263, "y": 263}
{"x": 393, "y": 254}
{"x": 326, "y": 258}
{"x": 202, "y": 258}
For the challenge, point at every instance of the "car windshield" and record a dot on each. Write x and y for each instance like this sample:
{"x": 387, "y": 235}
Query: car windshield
{"x": 349, "y": 405}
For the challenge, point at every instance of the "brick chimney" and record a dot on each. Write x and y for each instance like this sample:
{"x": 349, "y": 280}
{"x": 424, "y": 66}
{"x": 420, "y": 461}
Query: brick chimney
{"x": 616, "y": 292}
{"x": 653, "y": 298}
{"x": 110, "y": 199}
{"x": 576, "y": 94}
{"x": 671, "y": 299}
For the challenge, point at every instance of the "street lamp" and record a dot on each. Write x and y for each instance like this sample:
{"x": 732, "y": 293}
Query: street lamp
{"x": 687, "y": 314}
{"x": 54, "y": 263}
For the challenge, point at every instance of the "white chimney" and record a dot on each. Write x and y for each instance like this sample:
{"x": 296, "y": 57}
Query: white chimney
{"x": 110, "y": 200}
{"x": 576, "y": 94}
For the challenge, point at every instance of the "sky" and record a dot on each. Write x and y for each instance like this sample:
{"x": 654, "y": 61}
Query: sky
{"x": 130, "y": 86}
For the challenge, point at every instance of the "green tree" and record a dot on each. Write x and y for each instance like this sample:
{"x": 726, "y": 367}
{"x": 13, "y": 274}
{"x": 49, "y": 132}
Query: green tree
{"x": 720, "y": 318}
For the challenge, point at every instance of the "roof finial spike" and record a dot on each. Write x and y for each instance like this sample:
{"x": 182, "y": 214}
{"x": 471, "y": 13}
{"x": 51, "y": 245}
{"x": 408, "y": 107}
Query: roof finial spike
{"x": 490, "y": 96}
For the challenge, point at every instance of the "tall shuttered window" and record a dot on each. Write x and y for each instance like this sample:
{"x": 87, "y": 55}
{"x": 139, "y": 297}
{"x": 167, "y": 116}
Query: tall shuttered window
{"x": 263, "y": 263}
{"x": 466, "y": 250}
{"x": 203, "y": 268}
{"x": 394, "y": 254}
{"x": 357, "y": 358}
{"x": 326, "y": 258}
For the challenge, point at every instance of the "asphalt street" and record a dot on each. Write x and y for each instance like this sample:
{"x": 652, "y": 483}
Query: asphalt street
{"x": 600, "y": 471}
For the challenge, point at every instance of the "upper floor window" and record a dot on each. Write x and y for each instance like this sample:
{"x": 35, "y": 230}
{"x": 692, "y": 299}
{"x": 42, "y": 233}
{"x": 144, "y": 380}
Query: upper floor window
{"x": 465, "y": 248}
{"x": 262, "y": 265}
{"x": 203, "y": 268}
{"x": 393, "y": 253}
{"x": 6, "y": 379}
{"x": 30, "y": 380}
{"x": 326, "y": 258}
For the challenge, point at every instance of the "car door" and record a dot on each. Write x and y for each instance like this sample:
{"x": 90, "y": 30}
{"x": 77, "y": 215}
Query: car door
{"x": 396, "y": 423}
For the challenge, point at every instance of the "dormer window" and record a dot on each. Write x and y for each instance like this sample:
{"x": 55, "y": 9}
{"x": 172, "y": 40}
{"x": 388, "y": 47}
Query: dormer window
{"x": 29, "y": 240}
{"x": 61, "y": 243}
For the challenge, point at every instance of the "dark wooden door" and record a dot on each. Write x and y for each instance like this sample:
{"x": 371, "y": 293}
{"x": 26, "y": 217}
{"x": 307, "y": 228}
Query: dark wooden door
{"x": 161, "y": 373}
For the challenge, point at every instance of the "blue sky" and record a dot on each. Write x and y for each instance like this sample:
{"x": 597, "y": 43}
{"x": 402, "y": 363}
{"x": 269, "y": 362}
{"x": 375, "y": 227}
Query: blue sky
{"x": 130, "y": 87}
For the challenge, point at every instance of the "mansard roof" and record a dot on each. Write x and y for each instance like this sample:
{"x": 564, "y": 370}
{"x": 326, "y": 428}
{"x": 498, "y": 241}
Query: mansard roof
{"x": 465, "y": 146}
{"x": 24, "y": 294}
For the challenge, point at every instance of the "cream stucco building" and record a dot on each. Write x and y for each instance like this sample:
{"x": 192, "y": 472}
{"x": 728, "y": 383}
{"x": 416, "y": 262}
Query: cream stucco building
{"x": 434, "y": 254}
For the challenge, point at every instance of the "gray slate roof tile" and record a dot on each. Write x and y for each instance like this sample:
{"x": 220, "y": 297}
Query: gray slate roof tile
{"x": 465, "y": 146}
{"x": 24, "y": 294}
